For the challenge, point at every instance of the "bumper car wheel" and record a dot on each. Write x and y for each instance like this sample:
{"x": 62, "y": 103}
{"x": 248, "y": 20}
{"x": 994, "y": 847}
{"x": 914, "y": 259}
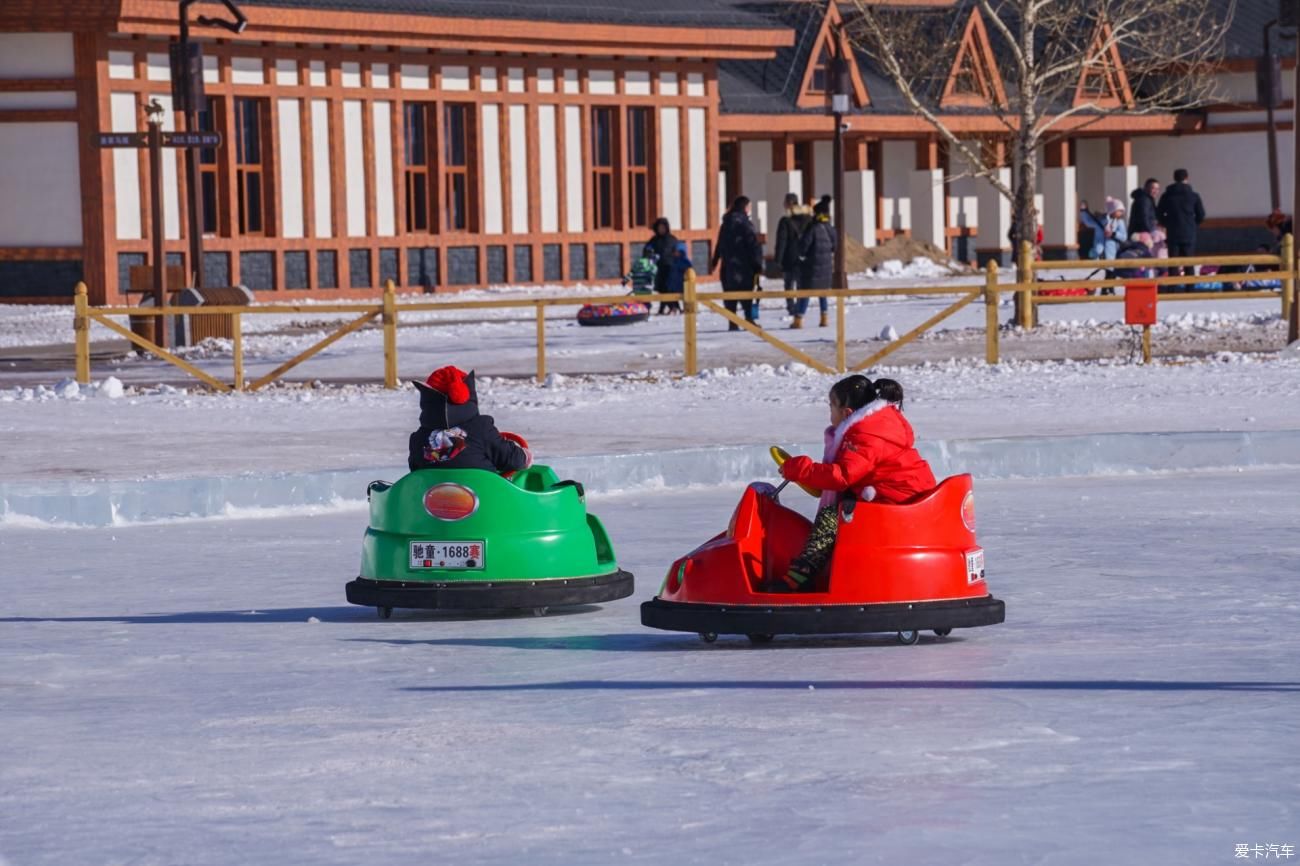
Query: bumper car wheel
{"x": 907, "y": 638}
{"x": 942, "y": 632}
{"x": 708, "y": 636}
{"x": 757, "y": 639}
{"x": 384, "y": 612}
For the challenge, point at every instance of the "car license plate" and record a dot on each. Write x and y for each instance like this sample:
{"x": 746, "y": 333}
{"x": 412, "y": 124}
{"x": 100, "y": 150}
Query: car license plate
{"x": 974, "y": 566}
{"x": 446, "y": 554}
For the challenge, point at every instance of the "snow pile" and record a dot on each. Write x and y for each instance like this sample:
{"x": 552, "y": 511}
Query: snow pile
{"x": 66, "y": 389}
{"x": 918, "y": 268}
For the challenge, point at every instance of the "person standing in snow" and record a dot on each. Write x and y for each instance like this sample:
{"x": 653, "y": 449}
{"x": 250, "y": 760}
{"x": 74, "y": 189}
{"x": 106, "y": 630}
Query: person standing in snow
{"x": 1142, "y": 217}
{"x": 788, "y": 233}
{"x": 661, "y": 247}
{"x": 870, "y": 455}
{"x": 741, "y": 257}
{"x": 1180, "y": 211}
{"x": 453, "y": 435}
{"x": 681, "y": 274}
{"x": 817, "y": 254}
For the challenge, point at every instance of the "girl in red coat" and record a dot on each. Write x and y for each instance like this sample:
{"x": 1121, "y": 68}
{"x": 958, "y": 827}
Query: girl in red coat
{"x": 869, "y": 455}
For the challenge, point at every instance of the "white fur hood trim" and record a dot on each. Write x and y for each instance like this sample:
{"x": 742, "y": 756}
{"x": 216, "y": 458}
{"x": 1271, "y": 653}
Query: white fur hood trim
{"x": 835, "y": 435}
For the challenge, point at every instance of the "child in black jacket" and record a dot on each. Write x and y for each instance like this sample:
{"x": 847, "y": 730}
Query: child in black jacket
{"x": 453, "y": 435}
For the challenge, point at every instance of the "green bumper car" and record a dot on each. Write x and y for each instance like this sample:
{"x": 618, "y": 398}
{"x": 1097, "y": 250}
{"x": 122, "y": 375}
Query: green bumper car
{"x": 468, "y": 539}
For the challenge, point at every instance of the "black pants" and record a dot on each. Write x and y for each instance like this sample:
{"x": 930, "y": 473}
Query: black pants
{"x": 750, "y": 308}
{"x": 1181, "y": 249}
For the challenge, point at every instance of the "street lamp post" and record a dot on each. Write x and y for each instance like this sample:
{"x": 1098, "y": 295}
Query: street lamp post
{"x": 187, "y": 90}
{"x": 840, "y": 90}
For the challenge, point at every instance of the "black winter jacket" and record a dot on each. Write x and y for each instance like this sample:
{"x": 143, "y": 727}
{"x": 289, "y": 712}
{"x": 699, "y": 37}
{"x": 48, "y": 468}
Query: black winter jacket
{"x": 789, "y": 231}
{"x": 1142, "y": 216}
{"x": 1180, "y": 212}
{"x": 817, "y": 246}
{"x": 471, "y": 440}
{"x": 739, "y": 252}
{"x": 662, "y": 247}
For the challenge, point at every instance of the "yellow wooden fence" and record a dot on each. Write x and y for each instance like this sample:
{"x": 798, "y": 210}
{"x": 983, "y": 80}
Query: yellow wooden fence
{"x": 694, "y": 302}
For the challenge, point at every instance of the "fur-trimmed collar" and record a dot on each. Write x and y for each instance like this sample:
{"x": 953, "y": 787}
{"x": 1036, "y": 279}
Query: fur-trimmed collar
{"x": 835, "y": 435}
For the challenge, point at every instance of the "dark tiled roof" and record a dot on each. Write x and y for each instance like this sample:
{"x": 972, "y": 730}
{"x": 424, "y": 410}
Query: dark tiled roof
{"x": 653, "y": 13}
{"x": 772, "y": 86}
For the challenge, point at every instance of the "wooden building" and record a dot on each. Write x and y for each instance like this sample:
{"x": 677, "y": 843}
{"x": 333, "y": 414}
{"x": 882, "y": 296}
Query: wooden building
{"x": 455, "y": 143}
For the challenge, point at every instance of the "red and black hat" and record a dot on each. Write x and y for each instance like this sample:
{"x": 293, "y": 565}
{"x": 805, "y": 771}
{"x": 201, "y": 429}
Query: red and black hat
{"x": 451, "y": 382}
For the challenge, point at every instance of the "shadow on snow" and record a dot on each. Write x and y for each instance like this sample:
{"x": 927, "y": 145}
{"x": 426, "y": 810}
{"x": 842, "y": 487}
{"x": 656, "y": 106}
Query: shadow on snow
{"x": 348, "y": 614}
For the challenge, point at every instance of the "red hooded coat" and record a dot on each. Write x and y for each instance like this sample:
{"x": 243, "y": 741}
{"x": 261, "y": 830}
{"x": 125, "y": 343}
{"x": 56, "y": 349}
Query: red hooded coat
{"x": 870, "y": 454}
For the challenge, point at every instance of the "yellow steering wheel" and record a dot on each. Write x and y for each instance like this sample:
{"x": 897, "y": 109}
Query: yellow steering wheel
{"x": 780, "y": 455}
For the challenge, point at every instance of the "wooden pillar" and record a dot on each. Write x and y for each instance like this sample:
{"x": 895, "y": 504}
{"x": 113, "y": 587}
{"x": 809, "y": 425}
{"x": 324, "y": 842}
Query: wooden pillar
{"x": 97, "y": 208}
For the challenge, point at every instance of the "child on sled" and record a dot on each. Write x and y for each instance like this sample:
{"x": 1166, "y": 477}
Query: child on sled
{"x": 870, "y": 455}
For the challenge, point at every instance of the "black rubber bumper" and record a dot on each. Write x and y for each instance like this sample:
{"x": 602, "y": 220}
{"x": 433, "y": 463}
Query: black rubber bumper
{"x": 490, "y": 595}
{"x": 613, "y": 321}
{"x": 824, "y": 619}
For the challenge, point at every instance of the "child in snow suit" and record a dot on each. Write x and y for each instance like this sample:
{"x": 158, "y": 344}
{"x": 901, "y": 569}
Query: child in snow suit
{"x": 642, "y": 275}
{"x": 453, "y": 435}
{"x": 869, "y": 455}
{"x": 680, "y": 273}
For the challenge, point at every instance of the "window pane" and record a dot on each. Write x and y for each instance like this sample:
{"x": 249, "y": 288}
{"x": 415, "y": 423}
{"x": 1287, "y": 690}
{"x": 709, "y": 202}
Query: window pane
{"x": 207, "y": 156}
{"x": 458, "y": 201}
{"x": 248, "y": 118}
{"x": 455, "y": 135}
{"x": 420, "y": 205}
{"x": 602, "y": 137}
{"x": 639, "y": 200}
{"x": 243, "y": 211}
{"x": 638, "y": 136}
{"x": 209, "y": 181}
{"x": 604, "y": 201}
{"x": 254, "y": 201}
{"x": 416, "y": 148}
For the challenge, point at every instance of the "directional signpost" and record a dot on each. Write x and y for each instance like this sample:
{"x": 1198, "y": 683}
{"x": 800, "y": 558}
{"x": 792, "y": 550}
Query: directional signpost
{"x": 155, "y": 140}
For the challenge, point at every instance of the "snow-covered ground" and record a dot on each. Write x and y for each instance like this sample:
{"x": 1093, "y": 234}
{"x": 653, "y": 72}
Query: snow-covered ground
{"x": 199, "y": 693}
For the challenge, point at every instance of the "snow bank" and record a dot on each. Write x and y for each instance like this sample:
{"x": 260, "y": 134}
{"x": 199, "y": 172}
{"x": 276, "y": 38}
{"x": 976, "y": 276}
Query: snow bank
{"x": 128, "y": 502}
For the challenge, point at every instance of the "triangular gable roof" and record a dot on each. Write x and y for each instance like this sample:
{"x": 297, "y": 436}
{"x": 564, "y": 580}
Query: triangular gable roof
{"x": 973, "y": 79}
{"x": 832, "y": 40}
{"x": 1103, "y": 82}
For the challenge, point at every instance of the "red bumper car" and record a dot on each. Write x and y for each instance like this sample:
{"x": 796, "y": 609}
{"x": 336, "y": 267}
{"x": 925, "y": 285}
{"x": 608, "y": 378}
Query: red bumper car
{"x": 896, "y": 568}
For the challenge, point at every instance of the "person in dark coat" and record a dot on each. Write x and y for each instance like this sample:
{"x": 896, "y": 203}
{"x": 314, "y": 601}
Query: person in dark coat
{"x": 1180, "y": 211}
{"x": 453, "y": 435}
{"x": 1142, "y": 216}
{"x": 788, "y": 232}
{"x": 1280, "y": 225}
{"x": 817, "y": 255}
{"x": 661, "y": 247}
{"x": 741, "y": 257}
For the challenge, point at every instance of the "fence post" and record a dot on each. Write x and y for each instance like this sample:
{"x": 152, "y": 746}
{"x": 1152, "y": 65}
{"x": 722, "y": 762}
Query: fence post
{"x": 81, "y": 329}
{"x": 991, "y": 335}
{"x": 541, "y": 344}
{"x": 1026, "y": 272}
{"x": 390, "y": 335}
{"x": 237, "y": 350}
{"x": 1146, "y": 344}
{"x": 841, "y": 337}
{"x": 1288, "y": 287}
{"x": 690, "y": 354}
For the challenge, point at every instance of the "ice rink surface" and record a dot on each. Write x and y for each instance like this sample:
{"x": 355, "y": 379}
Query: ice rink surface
{"x": 200, "y": 693}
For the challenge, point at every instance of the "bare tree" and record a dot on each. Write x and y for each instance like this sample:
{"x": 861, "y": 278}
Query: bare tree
{"x": 1057, "y": 67}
